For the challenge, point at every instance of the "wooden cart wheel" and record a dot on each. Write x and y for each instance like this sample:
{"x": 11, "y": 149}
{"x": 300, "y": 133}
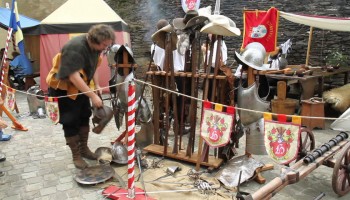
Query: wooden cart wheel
{"x": 307, "y": 143}
{"x": 341, "y": 172}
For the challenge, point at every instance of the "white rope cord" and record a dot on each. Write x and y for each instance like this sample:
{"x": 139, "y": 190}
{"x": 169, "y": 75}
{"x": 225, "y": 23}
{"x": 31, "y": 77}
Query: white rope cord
{"x": 43, "y": 96}
{"x": 177, "y": 93}
{"x": 237, "y": 108}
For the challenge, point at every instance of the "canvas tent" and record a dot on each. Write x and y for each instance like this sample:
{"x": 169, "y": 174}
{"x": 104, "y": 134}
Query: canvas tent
{"x": 27, "y": 25}
{"x": 70, "y": 19}
{"x": 322, "y": 22}
{"x": 26, "y": 22}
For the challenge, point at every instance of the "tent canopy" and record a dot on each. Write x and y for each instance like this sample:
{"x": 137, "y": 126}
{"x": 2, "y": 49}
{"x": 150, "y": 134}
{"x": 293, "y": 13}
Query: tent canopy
{"x": 77, "y": 17}
{"x": 26, "y": 22}
{"x": 72, "y": 18}
{"x": 322, "y": 22}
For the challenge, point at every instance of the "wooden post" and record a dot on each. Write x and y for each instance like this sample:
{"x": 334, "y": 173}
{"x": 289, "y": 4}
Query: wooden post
{"x": 309, "y": 46}
{"x": 250, "y": 76}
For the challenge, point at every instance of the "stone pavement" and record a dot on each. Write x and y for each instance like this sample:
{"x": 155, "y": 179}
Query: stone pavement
{"x": 39, "y": 164}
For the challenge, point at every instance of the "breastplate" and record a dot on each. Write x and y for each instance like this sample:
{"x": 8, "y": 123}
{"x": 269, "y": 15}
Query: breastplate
{"x": 248, "y": 98}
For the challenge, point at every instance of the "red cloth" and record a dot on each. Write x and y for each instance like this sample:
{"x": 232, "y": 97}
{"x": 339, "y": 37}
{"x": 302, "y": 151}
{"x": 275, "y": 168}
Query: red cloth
{"x": 261, "y": 26}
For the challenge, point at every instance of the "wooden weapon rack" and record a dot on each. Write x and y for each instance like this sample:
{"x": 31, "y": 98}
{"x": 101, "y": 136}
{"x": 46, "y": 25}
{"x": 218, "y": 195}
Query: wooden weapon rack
{"x": 192, "y": 80}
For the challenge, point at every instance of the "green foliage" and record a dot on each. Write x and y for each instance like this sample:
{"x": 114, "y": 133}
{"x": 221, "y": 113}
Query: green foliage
{"x": 337, "y": 59}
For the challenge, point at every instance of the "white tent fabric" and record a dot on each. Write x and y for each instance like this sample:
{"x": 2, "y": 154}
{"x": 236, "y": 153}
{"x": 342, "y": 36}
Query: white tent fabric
{"x": 97, "y": 11}
{"x": 322, "y": 22}
{"x": 342, "y": 123}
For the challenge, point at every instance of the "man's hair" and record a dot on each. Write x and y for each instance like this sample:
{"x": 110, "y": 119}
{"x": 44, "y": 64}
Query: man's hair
{"x": 101, "y": 32}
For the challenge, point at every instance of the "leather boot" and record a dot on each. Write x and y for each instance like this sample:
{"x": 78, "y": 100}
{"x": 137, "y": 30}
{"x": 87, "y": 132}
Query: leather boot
{"x": 73, "y": 143}
{"x": 84, "y": 136}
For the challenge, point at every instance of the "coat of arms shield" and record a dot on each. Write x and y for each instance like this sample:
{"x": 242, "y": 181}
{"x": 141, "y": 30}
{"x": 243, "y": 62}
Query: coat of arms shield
{"x": 281, "y": 140}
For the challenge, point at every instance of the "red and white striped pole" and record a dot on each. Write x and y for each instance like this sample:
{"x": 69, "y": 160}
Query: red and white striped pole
{"x": 4, "y": 57}
{"x": 131, "y": 140}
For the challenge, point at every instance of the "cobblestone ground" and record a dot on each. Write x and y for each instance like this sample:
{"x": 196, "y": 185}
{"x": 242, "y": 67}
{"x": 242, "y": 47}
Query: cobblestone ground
{"x": 39, "y": 165}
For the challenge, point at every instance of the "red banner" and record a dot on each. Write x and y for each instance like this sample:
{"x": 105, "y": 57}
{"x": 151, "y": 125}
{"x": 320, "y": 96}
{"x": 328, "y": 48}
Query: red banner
{"x": 261, "y": 26}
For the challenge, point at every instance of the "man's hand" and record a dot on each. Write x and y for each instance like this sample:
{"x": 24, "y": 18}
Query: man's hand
{"x": 96, "y": 101}
{"x": 83, "y": 87}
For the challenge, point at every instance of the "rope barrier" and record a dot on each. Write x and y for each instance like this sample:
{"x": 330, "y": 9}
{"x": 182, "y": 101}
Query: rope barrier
{"x": 237, "y": 108}
{"x": 177, "y": 93}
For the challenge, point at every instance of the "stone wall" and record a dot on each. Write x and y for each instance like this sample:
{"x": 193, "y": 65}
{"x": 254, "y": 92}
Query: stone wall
{"x": 142, "y": 15}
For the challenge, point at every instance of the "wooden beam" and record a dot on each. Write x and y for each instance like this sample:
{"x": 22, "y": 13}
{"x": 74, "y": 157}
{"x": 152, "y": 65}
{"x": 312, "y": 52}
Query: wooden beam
{"x": 309, "y": 46}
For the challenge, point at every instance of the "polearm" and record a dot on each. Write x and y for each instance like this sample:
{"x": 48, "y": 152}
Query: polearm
{"x": 217, "y": 66}
{"x": 166, "y": 117}
{"x": 174, "y": 100}
{"x": 183, "y": 98}
{"x": 193, "y": 106}
{"x": 213, "y": 90}
{"x": 208, "y": 66}
{"x": 205, "y": 94}
{"x": 197, "y": 77}
{"x": 205, "y": 66}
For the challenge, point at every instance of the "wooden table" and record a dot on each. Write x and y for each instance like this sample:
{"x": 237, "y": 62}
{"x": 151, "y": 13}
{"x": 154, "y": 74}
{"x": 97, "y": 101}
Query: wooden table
{"x": 322, "y": 74}
{"x": 309, "y": 82}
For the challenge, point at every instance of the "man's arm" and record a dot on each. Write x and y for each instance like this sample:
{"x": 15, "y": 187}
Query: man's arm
{"x": 97, "y": 83}
{"x": 79, "y": 83}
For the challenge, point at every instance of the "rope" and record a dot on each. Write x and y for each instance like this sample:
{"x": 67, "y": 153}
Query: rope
{"x": 177, "y": 93}
{"x": 237, "y": 108}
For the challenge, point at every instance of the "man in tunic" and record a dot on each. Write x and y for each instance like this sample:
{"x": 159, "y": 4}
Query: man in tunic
{"x": 69, "y": 79}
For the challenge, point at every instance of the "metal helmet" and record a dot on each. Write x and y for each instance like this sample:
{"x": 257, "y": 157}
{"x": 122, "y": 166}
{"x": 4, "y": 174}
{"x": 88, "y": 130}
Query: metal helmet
{"x": 101, "y": 117}
{"x": 119, "y": 153}
{"x": 252, "y": 57}
{"x": 255, "y": 45}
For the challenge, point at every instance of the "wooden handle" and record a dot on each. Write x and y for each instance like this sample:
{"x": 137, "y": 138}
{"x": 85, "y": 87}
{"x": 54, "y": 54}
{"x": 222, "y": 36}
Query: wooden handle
{"x": 274, "y": 71}
{"x": 259, "y": 178}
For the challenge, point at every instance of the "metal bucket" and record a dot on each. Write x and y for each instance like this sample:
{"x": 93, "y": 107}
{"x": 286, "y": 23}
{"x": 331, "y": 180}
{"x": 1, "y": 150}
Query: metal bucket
{"x": 255, "y": 138}
{"x": 35, "y": 102}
